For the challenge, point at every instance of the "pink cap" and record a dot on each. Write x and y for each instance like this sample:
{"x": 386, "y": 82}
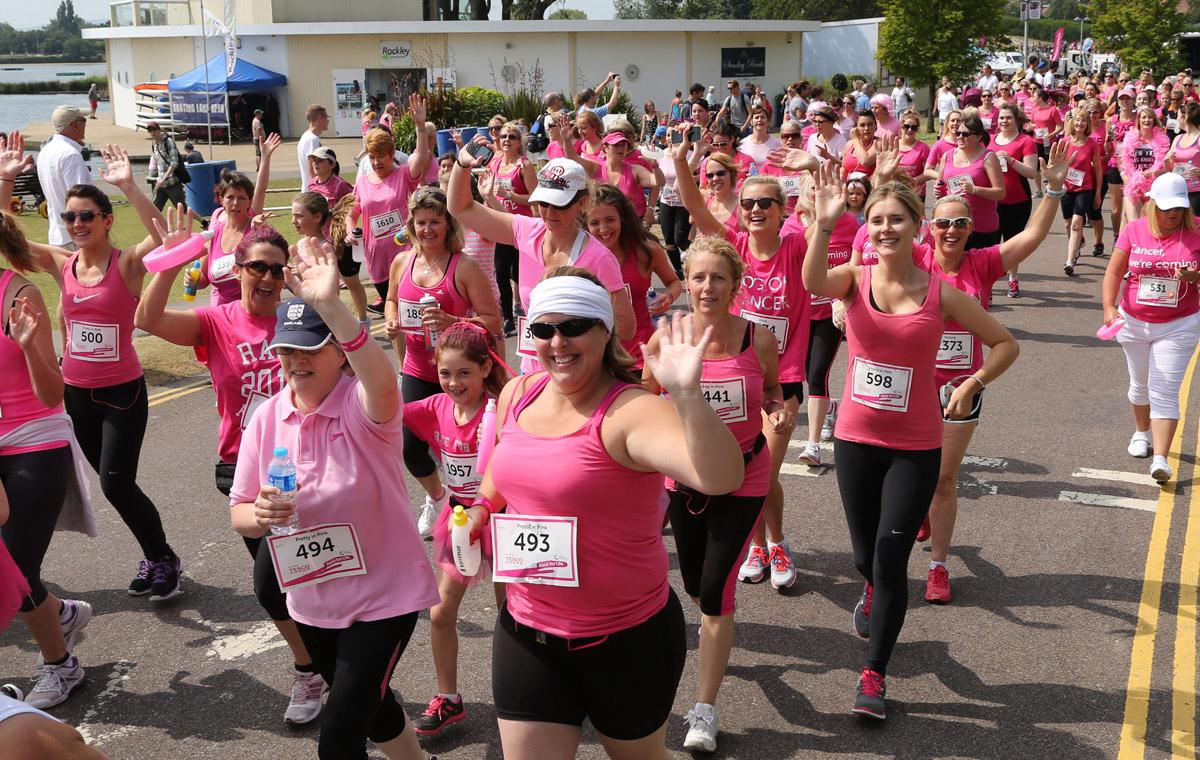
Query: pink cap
{"x": 614, "y": 137}
{"x": 1127, "y": 91}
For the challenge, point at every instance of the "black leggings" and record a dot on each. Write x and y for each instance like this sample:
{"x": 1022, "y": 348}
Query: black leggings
{"x": 266, "y": 585}
{"x": 711, "y": 534}
{"x": 1013, "y": 217}
{"x": 823, "y": 342}
{"x": 357, "y": 663}
{"x": 381, "y": 288}
{"x": 508, "y": 268}
{"x": 417, "y": 458}
{"x": 676, "y": 226}
{"x": 35, "y": 484}
{"x": 110, "y": 424}
{"x": 886, "y": 495}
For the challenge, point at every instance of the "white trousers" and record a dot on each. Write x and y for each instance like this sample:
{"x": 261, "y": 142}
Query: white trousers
{"x": 1158, "y": 354}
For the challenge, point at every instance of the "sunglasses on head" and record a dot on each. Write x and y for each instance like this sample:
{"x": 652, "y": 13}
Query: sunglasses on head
{"x": 945, "y": 222}
{"x": 260, "y": 268}
{"x": 84, "y": 216}
{"x": 714, "y": 175}
{"x": 763, "y": 203}
{"x": 568, "y": 328}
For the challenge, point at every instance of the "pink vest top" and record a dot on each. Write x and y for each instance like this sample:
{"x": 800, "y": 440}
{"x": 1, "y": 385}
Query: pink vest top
{"x": 773, "y": 295}
{"x": 99, "y": 318}
{"x": 891, "y": 398}
{"x": 637, "y": 284}
{"x": 621, "y": 560}
{"x": 515, "y": 181}
{"x": 733, "y": 387}
{"x": 225, "y": 285}
{"x": 418, "y": 358}
{"x": 1187, "y": 163}
{"x": 983, "y": 211}
{"x": 18, "y": 403}
{"x": 628, "y": 186}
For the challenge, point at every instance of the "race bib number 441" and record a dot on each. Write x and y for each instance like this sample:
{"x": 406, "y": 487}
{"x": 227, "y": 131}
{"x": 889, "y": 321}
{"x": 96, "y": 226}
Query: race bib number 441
{"x": 538, "y": 550}
{"x": 316, "y": 555}
{"x": 726, "y": 397}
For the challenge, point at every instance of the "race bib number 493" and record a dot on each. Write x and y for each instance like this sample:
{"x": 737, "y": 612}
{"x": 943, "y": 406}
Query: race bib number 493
{"x": 538, "y": 550}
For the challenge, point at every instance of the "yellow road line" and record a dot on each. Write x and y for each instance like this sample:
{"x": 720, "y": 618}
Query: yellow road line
{"x": 172, "y": 391}
{"x": 1141, "y": 658}
{"x": 1183, "y": 687}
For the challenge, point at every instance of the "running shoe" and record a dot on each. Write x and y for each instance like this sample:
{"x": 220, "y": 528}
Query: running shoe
{"x": 510, "y": 328}
{"x": 811, "y": 455}
{"x": 140, "y": 585}
{"x": 54, "y": 683}
{"x": 754, "y": 569}
{"x": 1069, "y": 268}
{"x": 783, "y": 574}
{"x": 1014, "y": 289}
{"x": 1139, "y": 445}
{"x": 12, "y": 691}
{"x": 1098, "y": 250}
{"x": 166, "y": 579}
{"x": 376, "y": 306}
{"x": 868, "y": 700}
{"x": 827, "y": 427}
{"x": 73, "y": 617}
{"x": 937, "y": 587}
{"x": 431, "y": 511}
{"x": 924, "y": 531}
{"x": 702, "y": 730}
{"x": 305, "y": 704}
{"x": 1159, "y": 469}
{"x": 862, "y": 612}
{"x": 442, "y": 712}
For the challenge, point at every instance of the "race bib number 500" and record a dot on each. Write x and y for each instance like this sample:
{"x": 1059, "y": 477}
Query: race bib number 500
{"x": 316, "y": 555}
{"x": 92, "y": 342}
{"x": 539, "y": 550}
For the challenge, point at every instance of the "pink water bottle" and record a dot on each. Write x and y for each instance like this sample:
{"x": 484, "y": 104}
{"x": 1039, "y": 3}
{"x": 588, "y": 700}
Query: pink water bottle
{"x": 161, "y": 259}
{"x": 1110, "y": 330}
{"x": 487, "y": 437}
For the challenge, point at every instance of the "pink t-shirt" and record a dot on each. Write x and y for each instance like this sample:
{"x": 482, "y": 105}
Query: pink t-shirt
{"x": 841, "y": 244}
{"x": 1045, "y": 119}
{"x": 637, "y": 284}
{"x": 455, "y": 446}
{"x": 939, "y": 149}
{"x": 589, "y": 253}
{"x": 343, "y": 479}
{"x": 1080, "y": 172}
{"x": 982, "y": 210}
{"x": 1187, "y": 163}
{"x": 1152, "y": 291}
{"x": 334, "y": 189}
{"x": 225, "y": 285}
{"x": 99, "y": 350}
{"x": 961, "y": 353}
{"x": 1015, "y": 189}
{"x": 773, "y": 295}
{"x": 245, "y": 373}
{"x": 912, "y": 163}
{"x": 384, "y": 210}
{"x": 758, "y": 151}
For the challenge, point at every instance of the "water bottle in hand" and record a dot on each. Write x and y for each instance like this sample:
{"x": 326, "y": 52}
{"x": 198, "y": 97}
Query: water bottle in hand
{"x": 282, "y": 475}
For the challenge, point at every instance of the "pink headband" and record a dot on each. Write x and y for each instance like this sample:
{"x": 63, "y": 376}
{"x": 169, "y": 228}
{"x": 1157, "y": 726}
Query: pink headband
{"x": 476, "y": 327}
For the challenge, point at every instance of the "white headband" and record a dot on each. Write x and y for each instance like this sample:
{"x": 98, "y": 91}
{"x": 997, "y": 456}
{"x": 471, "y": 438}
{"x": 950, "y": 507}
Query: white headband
{"x": 576, "y": 296}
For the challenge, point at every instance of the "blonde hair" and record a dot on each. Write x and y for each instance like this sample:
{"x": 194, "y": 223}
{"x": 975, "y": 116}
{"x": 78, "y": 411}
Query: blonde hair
{"x": 1080, "y": 113}
{"x": 909, "y": 199}
{"x": 379, "y": 141}
{"x": 433, "y": 199}
{"x": 769, "y": 182}
{"x": 13, "y": 245}
{"x": 952, "y": 198}
{"x": 721, "y": 248}
{"x": 497, "y": 121}
{"x": 591, "y": 118}
{"x": 725, "y": 160}
{"x": 1150, "y": 211}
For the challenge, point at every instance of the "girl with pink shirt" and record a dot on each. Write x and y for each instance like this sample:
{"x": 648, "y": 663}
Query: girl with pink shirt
{"x": 613, "y": 221}
{"x": 886, "y": 124}
{"x": 1045, "y": 119}
{"x": 914, "y": 153}
{"x": 340, "y": 408}
{"x": 312, "y": 217}
{"x": 771, "y": 295}
{"x": 740, "y": 381}
{"x": 973, "y": 171}
{"x": 590, "y": 130}
{"x": 245, "y": 374}
{"x": 1151, "y": 283}
{"x": 889, "y": 430}
{"x": 1121, "y": 122}
{"x": 568, "y": 646}
{"x": 1084, "y": 183}
{"x": 945, "y": 144}
{"x": 435, "y": 268}
{"x": 105, "y": 386}
{"x": 860, "y": 152}
{"x": 1185, "y": 152}
{"x": 241, "y": 200}
{"x": 470, "y": 372}
{"x": 1141, "y": 158}
{"x": 721, "y": 195}
{"x": 987, "y": 112}
{"x": 631, "y": 179}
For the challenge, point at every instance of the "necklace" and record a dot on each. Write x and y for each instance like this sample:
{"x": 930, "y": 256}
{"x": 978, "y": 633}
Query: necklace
{"x": 428, "y": 268}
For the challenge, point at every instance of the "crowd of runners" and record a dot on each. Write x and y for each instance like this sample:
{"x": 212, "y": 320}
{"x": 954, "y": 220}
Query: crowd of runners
{"x": 773, "y": 252}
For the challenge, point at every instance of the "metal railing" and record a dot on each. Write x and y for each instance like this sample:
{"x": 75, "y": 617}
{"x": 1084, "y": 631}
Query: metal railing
{"x": 150, "y": 13}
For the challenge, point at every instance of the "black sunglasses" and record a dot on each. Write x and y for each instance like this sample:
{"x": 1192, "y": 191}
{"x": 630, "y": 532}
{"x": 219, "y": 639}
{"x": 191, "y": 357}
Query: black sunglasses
{"x": 568, "y": 328}
{"x": 714, "y": 175}
{"x": 84, "y": 216}
{"x": 819, "y": 121}
{"x": 288, "y": 350}
{"x": 964, "y": 134}
{"x": 551, "y": 205}
{"x": 764, "y": 203}
{"x": 260, "y": 268}
{"x": 790, "y": 135}
{"x": 722, "y": 144}
{"x": 910, "y": 127}
{"x": 945, "y": 222}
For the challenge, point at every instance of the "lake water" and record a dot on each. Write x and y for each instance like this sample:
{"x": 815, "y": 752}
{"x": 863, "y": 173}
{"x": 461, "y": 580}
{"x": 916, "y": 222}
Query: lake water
{"x": 18, "y": 111}
{"x": 50, "y": 72}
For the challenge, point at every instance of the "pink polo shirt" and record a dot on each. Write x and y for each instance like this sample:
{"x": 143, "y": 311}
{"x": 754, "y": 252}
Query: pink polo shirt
{"x": 343, "y": 479}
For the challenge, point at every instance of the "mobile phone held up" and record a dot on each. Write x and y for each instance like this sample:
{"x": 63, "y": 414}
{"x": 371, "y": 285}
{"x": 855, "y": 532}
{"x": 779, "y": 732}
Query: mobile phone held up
{"x": 693, "y": 135}
{"x": 480, "y": 151}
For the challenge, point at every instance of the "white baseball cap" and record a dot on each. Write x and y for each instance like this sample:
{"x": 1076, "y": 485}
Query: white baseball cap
{"x": 1169, "y": 191}
{"x": 559, "y": 181}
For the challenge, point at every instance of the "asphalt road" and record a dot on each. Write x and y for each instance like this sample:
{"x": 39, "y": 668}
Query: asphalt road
{"x": 1057, "y": 528}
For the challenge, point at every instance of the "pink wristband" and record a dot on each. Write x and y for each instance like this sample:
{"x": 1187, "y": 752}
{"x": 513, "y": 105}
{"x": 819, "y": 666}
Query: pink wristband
{"x": 486, "y": 503}
{"x": 358, "y": 342}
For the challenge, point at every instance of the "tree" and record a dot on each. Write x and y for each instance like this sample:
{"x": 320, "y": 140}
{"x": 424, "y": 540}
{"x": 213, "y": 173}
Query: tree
{"x": 529, "y": 10}
{"x": 924, "y": 52}
{"x": 567, "y": 14}
{"x": 645, "y": 9}
{"x": 1067, "y": 9}
{"x": 821, "y": 10}
{"x": 1143, "y": 33}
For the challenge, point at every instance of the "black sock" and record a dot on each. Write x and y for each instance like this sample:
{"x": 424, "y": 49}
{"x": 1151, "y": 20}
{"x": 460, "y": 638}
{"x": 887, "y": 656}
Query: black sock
{"x": 63, "y": 661}
{"x": 309, "y": 668}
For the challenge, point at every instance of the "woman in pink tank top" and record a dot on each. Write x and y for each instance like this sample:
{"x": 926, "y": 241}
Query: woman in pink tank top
{"x": 772, "y": 295}
{"x": 435, "y": 268}
{"x": 889, "y": 428}
{"x": 105, "y": 388}
{"x": 631, "y": 179}
{"x": 513, "y": 176}
{"x": 613, "y": 221}
{"x": 973, "y": 172}
{"x": 1185, "y": 152}
{"x": 589, "y": 606}
{"x": 740, "y": 381}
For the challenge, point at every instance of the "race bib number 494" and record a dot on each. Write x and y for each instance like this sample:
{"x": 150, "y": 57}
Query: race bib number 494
{"x": 316, "y": 555}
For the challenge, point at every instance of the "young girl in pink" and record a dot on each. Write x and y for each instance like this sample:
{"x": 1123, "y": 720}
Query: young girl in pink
{"x": 470, "y": 372}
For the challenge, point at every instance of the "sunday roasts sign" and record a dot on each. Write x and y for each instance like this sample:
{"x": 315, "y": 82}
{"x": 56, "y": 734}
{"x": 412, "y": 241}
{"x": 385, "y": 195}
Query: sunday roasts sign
{"x": 743, "y": 62}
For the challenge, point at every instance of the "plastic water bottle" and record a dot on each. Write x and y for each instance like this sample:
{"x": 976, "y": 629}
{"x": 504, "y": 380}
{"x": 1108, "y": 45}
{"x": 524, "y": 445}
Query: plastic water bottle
{"x": 487, "y": 437}
{"x": 651, "y": 297}
{"x": 282, "y": 475}
{"x": 466, "y": 554}
{"x": 191, "y": 281}
{"x": 356, "y": 250}
{"x": 431, "y": 335}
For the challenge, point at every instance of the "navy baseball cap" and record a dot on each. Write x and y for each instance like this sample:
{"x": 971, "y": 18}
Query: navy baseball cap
{"x": 298, "y": 325}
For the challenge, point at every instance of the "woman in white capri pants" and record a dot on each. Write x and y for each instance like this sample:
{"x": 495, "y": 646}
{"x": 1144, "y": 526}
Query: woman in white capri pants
{"x": 1159, "y": 302}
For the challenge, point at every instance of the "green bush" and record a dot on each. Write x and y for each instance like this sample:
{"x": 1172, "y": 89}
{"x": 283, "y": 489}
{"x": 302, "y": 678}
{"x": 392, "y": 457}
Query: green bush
{"x": 626, "y": 106}
{"x": 57, "y": 85}
{"x": 404, "y": 132}
{"x": 479, "y": 105}
{"x": 522, "y": 104}
{"x": 839, "y": 83}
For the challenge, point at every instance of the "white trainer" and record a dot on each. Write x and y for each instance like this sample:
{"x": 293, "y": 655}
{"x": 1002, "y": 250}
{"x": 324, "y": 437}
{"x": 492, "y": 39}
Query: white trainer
{"x": 754, "y": 567}
{"x": 1139, "y": 445}
{"x": 305, "y": 706}
{"x": 811, "y": 455}
{"x": 830, "y": 421}
{"x": 431, "y": 511}
{"x": 1160, "y": 470}
{"x": 702, "y": 729}
{"x": 54, "y": 683}
{"x": 783, "y": 573}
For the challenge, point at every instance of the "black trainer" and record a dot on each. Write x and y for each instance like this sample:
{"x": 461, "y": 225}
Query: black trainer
{"x": 442, "y": 712}
{"x": 1098, "y": 250}
{"x": 165, "y": 575}
{"x": 140, "y": 585}
{"x": 510, "y": 328}
{"x": 868, "y": 700}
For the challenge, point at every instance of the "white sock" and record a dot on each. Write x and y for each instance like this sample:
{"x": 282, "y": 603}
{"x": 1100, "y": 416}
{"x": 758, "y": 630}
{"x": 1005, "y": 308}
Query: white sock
{"x": 934, "y": 563}
{"x": 771, "y": 544}
{"x": 1142, "y": 434}
{"x": 703, "y": 710}
{"x": 455, "y": 698}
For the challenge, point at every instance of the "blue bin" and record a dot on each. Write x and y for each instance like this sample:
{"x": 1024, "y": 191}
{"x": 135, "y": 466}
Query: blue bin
{"x": 445, "y": 143}
{"x": 199, "y": 191}
{"x": 468, "y": 133}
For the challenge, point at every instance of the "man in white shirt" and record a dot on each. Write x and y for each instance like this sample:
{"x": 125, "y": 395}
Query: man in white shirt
{"x": 1045, "y": 76}
{"x": 902, "y": 96}
{"x": 987, "y": 80}
{"x": 318, "y": 122}
{"x": 60, "y": 165}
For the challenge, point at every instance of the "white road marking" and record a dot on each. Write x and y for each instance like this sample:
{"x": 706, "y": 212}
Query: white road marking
{"x": 120, "y": 674}
{"x": 995, "y": 463}
{"x": 1104, "y": 500}
{"x": 1119, "y": 476}
{"x": 263, "y": 637}
{"x": 802, "y": 470}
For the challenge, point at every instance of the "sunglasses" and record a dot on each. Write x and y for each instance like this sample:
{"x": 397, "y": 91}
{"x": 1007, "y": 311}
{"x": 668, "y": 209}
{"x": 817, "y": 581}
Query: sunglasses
{"x": 986, "y": 95}
{"x": 551, "y": 205}
{"x": 945, "y": 222}
{"x": 790, "y": 135}
{"x": 509, "y": 137}
{"x": 910, "y": 127}
{"x": 763, "y": 203}
{"x": 288, "y": 350}
{"x": 568, "y": 328}
{"x": 260, "y": 269}
{"x": 964, "y": 134}
{"x": 819, "y": 121}
{"x": 84, "y": 216}
{"x": 493, "y": 129}
{"x": 723, "y": 144}
{"x": 714, "y": 175}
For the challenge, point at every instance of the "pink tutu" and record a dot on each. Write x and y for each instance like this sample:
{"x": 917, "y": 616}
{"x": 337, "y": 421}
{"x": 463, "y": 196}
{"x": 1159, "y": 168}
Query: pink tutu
{"x": 13, "y": 588}
{"x": 444, "y": 557}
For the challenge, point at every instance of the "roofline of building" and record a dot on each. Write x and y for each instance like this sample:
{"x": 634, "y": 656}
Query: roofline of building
{"x": 464, "y": 27}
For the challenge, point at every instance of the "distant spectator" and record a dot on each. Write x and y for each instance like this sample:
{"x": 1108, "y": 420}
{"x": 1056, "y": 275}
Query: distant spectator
{"x": 585, "y": 99}
{"x": 902, "y": 95}
{"x": 258, "y": 135}
{"x": 735, "y": 108}
{"x": 988, "y": 82}
{"x": 193, "y": 156}
{"x": 318, "y": 122}
{"x": 167, "y": 186}
{"x": 60, "y": 165}
{"x": 93, "y": 96}
{"x": 947, "y": 100}
{"x": 863, "y": 101}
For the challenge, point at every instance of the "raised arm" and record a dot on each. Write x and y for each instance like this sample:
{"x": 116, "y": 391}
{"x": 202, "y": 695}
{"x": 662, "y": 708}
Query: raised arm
{"x": 490, "y": 223}
{"x": 689, "y": 191}
{"x": 13, "y": 161}
{"x": 616, "y": 94}
{"x": 179, "y": 327}
{"x": 119, "y": 172}
{"x": 829, "y": 205}
{"x": 264, "y": 173}
{"x": 418, "y": 162}
{"x": 29, "y": 326}
{"x": 1019, "y": 247}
